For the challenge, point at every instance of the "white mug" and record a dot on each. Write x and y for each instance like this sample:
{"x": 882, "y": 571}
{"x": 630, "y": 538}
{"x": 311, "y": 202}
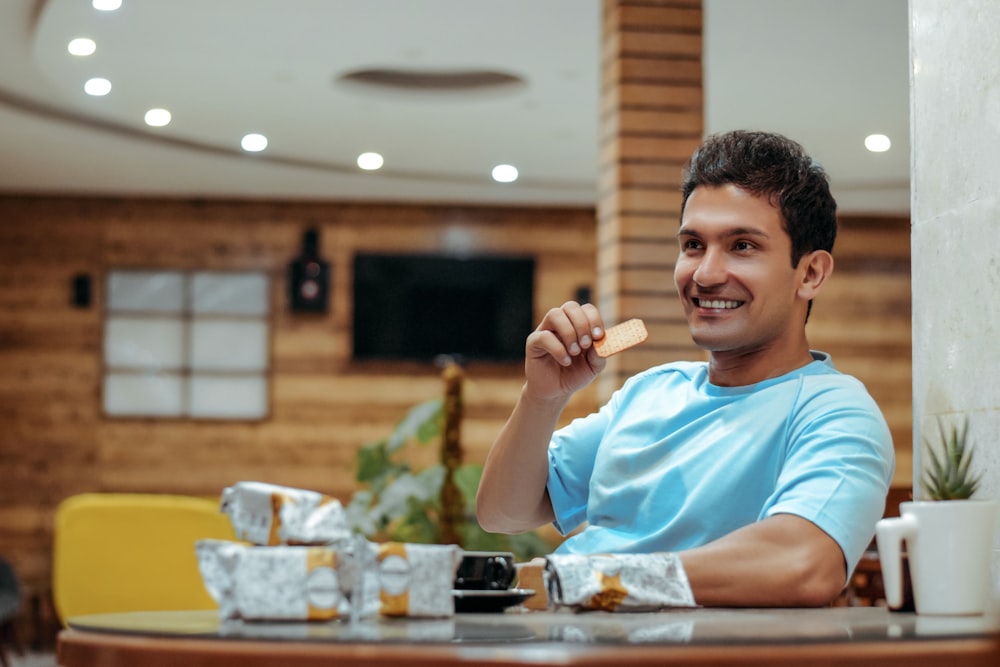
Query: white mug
{"x": 949, "y": 546}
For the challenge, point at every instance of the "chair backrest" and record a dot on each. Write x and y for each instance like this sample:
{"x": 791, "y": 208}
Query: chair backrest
{"x": 132, "y": 552}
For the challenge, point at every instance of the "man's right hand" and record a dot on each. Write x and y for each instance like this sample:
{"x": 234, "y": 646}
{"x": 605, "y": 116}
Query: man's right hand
{"x": 559, "y": 359}
{"x": 559, "y": 355}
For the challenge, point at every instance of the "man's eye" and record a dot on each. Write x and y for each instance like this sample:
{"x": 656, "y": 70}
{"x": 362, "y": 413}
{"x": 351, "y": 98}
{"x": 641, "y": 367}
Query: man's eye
{"x": 690, "y": 244}
{"x": 744, "y": 245}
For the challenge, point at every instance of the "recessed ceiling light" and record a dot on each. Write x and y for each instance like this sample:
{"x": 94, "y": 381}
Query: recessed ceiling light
{"x": 370, "y": 161}
{"x": 107, "y": 5}
{"x": 82, "y": 46}
{"x": 877, "y": 143}
{"x": 97, "y": 86}
{"x": 254, "y": 143}
{"x": 157, "y": 117}
{"x": 505, "y": 173}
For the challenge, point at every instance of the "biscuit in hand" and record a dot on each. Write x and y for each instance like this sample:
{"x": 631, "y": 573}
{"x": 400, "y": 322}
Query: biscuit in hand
{"x": 621, "y": 337}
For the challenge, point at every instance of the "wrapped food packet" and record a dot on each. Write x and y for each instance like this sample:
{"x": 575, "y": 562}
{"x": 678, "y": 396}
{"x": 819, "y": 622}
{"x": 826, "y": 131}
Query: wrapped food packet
{"x": 273, "y": 583}
{"x": 268, "y": 514}
{"x": 415, "y": 580}
{"x": 358, "y": 580}
{"x": 618, "y": 582}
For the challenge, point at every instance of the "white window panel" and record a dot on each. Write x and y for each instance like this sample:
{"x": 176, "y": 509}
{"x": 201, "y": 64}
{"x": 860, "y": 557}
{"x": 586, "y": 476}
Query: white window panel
{"x": 150, "y": 291}
{"x": 141, "y": 342}
{"x": 228, "y": 345}
{"x": 187, "y": 344}
{"x": 156, "y": 395}
{"x": 230, "y": 293}
{"x": 228, "y": 397}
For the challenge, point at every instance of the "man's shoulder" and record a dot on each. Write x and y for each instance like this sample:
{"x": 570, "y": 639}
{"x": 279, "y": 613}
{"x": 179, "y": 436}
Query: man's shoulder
{"x": 823, "y": 374}
{"x": 686, "y": 371}
{"x": 826, "y": 389}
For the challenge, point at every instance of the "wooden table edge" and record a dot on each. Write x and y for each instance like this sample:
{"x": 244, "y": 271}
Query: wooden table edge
{"x": 80, "y": 648}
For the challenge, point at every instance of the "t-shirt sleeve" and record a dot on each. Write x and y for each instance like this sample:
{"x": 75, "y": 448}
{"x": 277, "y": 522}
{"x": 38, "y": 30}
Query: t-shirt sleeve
{"x": 837, "y": 469}
{"x": 572, "y": 452}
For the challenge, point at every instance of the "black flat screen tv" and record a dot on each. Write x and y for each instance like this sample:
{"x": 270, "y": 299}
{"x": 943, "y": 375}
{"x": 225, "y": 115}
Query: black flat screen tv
{"x": 417, "y": 307}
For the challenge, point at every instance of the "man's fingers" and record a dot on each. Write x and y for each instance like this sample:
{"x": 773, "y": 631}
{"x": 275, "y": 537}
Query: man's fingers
{"x": 545, "y": 342}
{"x": 574, "y": 325}
{"x": 594, "y": 320}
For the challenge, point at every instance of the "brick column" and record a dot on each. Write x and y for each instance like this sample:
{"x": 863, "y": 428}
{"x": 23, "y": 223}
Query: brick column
{"x": 651, "y": 121}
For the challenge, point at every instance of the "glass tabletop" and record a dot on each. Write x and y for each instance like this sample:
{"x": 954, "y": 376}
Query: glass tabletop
{"x": 679, "y": 626}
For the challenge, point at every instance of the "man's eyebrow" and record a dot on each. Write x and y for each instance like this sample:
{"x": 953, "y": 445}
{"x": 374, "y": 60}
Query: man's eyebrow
{"x": 735, "y": 231}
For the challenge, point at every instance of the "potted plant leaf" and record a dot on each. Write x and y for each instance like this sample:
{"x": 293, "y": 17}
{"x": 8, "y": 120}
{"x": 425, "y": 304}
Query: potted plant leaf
{"x": 948, "y": 534}
{"x": 434, "y": 504}
{"x": 948, "y": 475}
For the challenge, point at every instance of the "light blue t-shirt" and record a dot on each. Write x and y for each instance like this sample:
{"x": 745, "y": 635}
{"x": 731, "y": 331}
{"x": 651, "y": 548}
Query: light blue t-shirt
{"x": 672, "y": 461}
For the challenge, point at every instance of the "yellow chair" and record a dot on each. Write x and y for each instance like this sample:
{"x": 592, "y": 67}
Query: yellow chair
{"x": 117, "y": 552}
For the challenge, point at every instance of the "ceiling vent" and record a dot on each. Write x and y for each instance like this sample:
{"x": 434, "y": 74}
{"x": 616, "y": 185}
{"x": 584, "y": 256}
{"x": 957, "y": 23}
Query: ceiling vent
{"x": 424, "y": 81}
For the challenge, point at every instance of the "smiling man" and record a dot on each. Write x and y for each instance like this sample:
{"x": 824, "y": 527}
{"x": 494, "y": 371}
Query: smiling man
{"x": 764, "y": 469}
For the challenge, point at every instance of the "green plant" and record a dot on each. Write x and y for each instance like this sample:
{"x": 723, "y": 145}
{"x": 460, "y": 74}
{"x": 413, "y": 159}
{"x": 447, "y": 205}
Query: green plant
{"x": 948, "y": 474}
{"x": 402, "y": 504}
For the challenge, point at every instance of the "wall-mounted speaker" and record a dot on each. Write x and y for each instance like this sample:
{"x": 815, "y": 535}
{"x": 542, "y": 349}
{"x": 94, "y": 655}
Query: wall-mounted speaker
{"x": 309, "y": 278}
{"x": 80, "y": 292}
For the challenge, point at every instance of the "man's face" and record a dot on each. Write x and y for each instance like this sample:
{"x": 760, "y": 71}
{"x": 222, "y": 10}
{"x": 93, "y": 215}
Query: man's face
{"x": 734, "y": 273}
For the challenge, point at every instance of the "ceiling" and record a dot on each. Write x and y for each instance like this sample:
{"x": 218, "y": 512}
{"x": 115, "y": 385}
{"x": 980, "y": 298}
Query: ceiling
{"x": 825, "y": 73}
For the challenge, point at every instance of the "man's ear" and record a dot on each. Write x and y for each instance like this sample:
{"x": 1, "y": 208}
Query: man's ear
{"x": 816, "y": 267}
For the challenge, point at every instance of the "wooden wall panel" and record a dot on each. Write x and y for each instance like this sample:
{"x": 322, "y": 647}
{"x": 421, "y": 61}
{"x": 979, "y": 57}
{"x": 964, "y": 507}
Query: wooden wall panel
{"x": 651, "y": 121}
{"x": 54, "y": 440}
{"x": 863, "y": 319}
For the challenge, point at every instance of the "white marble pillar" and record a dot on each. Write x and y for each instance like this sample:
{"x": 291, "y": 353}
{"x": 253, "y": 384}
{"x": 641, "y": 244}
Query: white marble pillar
{"x": 955, "y": 210}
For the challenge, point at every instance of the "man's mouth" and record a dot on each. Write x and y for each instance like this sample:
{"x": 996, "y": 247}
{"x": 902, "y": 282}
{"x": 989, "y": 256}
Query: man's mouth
{"x": 716, "y": 304}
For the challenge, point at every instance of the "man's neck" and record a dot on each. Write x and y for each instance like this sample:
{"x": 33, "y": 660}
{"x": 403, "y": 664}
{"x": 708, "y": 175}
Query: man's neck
{"x": 739, "y": 369}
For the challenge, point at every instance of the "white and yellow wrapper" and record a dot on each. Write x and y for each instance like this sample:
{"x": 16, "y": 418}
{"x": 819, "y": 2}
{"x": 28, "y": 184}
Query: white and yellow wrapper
{"x": 304, "y": 563}
{"x": 301, "y": 583}
{"x": 414, "y": 580}
{"x": 618, "y": 582}
{"x": 269, "y": 514}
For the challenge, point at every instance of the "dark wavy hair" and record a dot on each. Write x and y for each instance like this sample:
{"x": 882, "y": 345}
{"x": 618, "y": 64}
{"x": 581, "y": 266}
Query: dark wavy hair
{"x": 768, "y": 164}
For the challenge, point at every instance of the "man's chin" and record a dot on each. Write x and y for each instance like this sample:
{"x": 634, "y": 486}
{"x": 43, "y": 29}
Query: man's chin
{"x": 711, "y": 343}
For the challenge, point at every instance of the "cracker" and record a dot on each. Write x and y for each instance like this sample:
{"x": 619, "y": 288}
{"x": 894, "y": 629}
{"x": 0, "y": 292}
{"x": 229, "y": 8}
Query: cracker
{"x": 621, "y": 337}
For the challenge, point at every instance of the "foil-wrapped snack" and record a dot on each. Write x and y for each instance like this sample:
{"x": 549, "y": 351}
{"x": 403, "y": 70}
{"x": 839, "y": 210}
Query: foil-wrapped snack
{"x": 268, "y": 514}
{"x": 301, "y": 583}
{"x": 415, "y": 580}
{"x": 618, "y": 582}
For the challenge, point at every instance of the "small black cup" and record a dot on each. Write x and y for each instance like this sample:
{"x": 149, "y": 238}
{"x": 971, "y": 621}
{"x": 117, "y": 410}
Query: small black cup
{"x": 485, "y": 571}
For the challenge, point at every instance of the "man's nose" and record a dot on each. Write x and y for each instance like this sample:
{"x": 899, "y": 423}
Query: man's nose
{"x": 711, "y": 269}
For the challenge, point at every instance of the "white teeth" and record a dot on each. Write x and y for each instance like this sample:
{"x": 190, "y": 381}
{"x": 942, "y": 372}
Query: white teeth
{"x": 718, "y": 304}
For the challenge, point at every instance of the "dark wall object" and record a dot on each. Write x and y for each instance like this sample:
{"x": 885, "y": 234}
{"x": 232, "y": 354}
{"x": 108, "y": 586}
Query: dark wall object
{"x": 81, "y": 296}
{"x": 309, "y": 278}
{"x": 421, "y": 306}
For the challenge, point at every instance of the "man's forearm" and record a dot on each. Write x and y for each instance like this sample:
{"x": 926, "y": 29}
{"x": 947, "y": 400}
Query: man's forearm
{"x": 782, "y": 561}
{"x": 512, "y": 497}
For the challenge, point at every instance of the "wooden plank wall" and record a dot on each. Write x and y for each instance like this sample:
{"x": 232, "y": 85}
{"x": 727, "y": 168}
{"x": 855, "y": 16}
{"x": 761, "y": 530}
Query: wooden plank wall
{"x": 863, "y": 318}
{"x": 54, "y": 441}
{"x": 651, "y": 122}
